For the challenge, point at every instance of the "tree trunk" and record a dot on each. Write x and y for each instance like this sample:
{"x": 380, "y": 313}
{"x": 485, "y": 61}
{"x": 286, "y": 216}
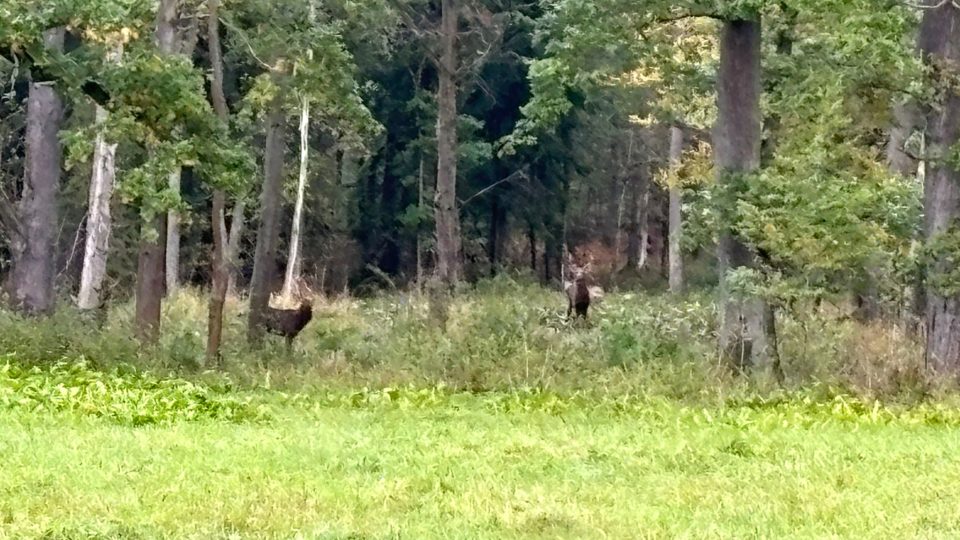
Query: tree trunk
{"x": 633, "y": 232}
{"x": 151, "y": 258}
{"x": 292, "y": 258}
{"x": 172, "y": 257}
{"x": 419, "y": 235}
{"x": 940, "y": 46}
{"x": 150, "y": 283}
{"x": 675, "y": 212}
{"x": 264, "y": 262}
{"x": 643, "y": 218}
{"x": 747, "y": 333}
{"x": 233, "y": 246}
{"x": 445, "y": 201}
{"x": 220, "y": 268}
{"x": 32, "y": 278}
{"x": 99, "y": 223}
{"x": 532, "y": 239}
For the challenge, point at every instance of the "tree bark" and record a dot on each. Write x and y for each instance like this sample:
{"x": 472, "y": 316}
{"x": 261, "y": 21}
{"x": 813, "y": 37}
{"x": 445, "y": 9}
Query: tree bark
{"x": 264, "y": 263}
{"x": 150, "y": 281}
{"x": 151, "y": 258}
{"x": 747, "y": 332}
{"x": 939, "y": 44}
{"x": 633, "y": 240}
{"x": 99, "y": 221}
{"x": 233, "y": 246}
{"x": 220, "y": 268}
{"x": 643, "y": 218}
{"x": 292, "y": 258}
{"x": 675, "y": 212}
{"x": 445, "y": 201}
{"x": 172, "y": 257}
{"x": 420, "y": 173}
{"x": 32, "y": 279}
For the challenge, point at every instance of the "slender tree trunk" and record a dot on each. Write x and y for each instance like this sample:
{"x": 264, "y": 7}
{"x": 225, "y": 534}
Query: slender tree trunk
{"x": 292, "y": 274}
{"x": 445, "y": 201}
{"x": 172, "y": 261}
{"x": 625, "y": 178}
{"x": 220, "y": 267}
{"x": 675, "y": 212}
{"x": 532, "y": 239}
{"x": 940, "y": 46}
{"x": 233, "y": 246}
{"x": 643, "y": 217}
{"x": 621, "y": 209}
{"x": 747, "y": 333}
{"x": 264, "y": 262}
{"x": 419, "y": 235}
{"x": 151, "y": 258}
{"x": 32, "y": 283}
{"x": 99, "y": 223}
{"x": 633, "y": 239}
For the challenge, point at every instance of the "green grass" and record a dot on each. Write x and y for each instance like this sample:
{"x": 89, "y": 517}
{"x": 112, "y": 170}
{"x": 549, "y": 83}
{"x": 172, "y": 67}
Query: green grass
{"x": 509, "y": 423}
{"x": 431, "y": 463}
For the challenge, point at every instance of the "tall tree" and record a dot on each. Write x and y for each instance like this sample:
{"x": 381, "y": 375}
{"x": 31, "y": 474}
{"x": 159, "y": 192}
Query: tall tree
{"x": 220, "y": 264}
{"x": 446, "y": 214}
{"x": 32, "y": 282}
{"x": 151, "y": 258}
{"x": 268, "y": 233}
{"x": 747, "y": 325}
{"x": 939, "y": 42}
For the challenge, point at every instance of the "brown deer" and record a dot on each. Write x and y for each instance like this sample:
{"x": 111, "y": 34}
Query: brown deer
{"x": 289, "y": 322}
{"x": 578, "y": 293}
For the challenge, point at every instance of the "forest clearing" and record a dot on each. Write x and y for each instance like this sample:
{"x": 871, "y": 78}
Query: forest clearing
{"x": 479, "y": 269}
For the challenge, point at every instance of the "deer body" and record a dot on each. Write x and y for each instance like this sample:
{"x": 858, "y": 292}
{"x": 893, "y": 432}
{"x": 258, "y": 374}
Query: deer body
{"x": 578, "y": 297}
{"x": 289, "y": 322}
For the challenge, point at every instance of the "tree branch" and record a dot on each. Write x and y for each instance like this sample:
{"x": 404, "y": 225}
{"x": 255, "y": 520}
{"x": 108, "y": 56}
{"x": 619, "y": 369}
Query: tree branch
{"x": 522, "y": 173}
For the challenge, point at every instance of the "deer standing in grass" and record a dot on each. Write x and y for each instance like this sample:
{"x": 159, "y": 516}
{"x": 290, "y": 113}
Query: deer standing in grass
{"x": 289, "y": 322}
{"x": 578, "y": 293}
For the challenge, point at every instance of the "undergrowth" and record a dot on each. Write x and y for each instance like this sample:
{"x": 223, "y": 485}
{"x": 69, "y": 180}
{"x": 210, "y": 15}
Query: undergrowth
{"x": 499, "y": 336}
{"x": 124, "y": 396}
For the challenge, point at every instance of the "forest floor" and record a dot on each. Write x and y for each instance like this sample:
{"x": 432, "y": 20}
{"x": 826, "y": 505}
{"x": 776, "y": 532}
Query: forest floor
{"x": 509, "y": 422}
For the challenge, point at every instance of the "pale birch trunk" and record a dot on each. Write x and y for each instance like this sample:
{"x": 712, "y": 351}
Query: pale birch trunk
{"x": 99, "y": 222}
{"x": 233, "y": 246}
{"x": 293, "y": 256}
{"x": 676, "y": 216}
{"x": 173, "y": 239}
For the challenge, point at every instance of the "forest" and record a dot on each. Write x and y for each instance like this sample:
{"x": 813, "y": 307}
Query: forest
{"x": 480, "y": 268}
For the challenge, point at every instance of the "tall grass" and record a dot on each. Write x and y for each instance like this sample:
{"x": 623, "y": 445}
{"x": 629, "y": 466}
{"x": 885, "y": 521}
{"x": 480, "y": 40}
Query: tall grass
{"x": 502, "y": 334}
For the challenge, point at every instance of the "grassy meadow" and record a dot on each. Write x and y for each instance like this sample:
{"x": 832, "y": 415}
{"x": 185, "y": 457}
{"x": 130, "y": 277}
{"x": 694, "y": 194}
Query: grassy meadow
{"x": 511, "y": 423}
